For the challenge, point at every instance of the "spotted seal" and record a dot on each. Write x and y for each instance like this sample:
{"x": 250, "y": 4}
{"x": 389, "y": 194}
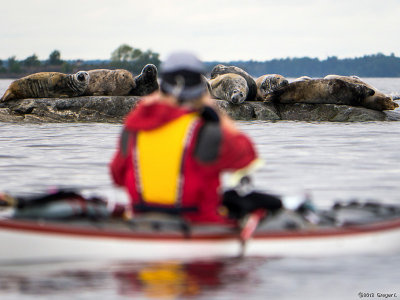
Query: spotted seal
{"x": 252, "y": 87}
{"x": 47, "y": 85}
{"x": 104, "y": 82}
{"x": 231, "y": 87}
{"x": 330, "y": 91}
{"x": 268, "y": 83}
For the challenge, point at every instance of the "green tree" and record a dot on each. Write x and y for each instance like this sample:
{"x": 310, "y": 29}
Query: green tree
{"x": 2, "y": 68}
{"x": 123, "y": 53}
{"x": 31, "y": 61}
{"x": 133, "y": 59}
{"x": 14, "y": 66}
{"x": 55, "y": 58}
{"x": 150, "y": 57}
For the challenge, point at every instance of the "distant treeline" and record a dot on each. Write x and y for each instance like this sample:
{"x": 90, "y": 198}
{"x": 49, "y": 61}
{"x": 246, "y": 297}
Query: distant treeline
{"x": 133, "y": 59}
{"x": 124, "y": 57}
{"x": 377, "y": 65}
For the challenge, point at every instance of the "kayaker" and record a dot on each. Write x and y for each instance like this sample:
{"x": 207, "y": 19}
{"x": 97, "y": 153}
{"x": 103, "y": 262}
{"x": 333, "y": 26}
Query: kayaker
{"x": 175, "y": 144}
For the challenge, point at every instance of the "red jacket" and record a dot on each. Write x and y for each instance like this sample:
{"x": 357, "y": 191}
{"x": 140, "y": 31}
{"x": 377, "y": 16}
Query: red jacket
{"x": 201, "y": 188}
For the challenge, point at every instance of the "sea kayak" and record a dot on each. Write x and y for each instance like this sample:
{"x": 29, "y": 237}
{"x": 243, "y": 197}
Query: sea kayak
{"x": 345, "y": 229}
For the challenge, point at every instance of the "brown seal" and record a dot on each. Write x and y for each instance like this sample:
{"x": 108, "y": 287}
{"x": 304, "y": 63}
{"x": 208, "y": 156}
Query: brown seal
{"x": 377, "y": 97}
{"x": 104, "y": 82}
{"x": 330, "y": 91}
{"x": 47, "y": 85}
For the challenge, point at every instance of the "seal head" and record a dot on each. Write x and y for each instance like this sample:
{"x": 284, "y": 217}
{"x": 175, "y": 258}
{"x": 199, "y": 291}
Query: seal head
{"x": 79, "y": 82}
{"x": 268, "y": 83}
{"x": 231, "y": 87}
{"x": 146, "y": 82}
{"x": 252, "y": 86}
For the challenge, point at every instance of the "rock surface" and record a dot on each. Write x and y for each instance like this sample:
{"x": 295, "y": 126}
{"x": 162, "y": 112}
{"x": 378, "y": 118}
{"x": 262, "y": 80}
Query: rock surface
{"x": 112, "y": 109}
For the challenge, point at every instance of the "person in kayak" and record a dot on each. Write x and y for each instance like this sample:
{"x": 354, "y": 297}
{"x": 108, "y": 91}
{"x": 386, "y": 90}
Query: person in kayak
{"x": 175, "y": 144}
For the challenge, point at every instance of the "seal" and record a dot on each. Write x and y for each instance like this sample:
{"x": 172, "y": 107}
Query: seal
{"x": 252, "y": 87}
{"x": 329, "y": 91}
{"x": 104, "y": 82}
{"x": 47, "y": 85}
{"x": 377, "y": 97}
{"x": 231, "y": 87}
{"x": 146, "y": 82}
{"x": 303, "y": 78}
{"x": 268, "y": 83}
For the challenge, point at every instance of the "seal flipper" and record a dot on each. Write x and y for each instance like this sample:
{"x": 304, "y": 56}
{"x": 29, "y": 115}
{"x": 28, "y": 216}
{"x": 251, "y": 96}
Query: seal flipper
{"x": 275, "y": 95}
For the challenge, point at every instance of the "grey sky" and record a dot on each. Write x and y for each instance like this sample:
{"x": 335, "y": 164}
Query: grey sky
{"x": 214, "y": 29}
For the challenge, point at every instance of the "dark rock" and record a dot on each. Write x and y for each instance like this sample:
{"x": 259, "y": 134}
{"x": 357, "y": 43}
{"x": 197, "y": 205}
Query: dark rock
{"x": 265, "y": 111}
{"x": 79, "y": 109}
{"x": 113, "y": 109}
{"x": 328, "y": 112}
{"x": 7, "y": 116}
{"x": 244, "y": 111}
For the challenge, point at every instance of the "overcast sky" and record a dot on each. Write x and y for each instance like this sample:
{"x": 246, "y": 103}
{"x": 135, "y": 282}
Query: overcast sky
{"x": 214, "y": 29}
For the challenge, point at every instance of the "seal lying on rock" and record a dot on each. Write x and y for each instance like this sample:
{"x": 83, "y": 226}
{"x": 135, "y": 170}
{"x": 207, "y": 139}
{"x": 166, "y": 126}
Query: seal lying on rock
{"x": 47, "y": 85}
{"x": 221, "y": 69}
{"x": 268, "y": 83}
{"x": 230, "y": 87}
{"x": 104, "y": 82}
{"x": 121, "y": 82}
{"x": 330, "y": 91}
{"x": 146, "y": 82}
{"x": 377, "y": 97}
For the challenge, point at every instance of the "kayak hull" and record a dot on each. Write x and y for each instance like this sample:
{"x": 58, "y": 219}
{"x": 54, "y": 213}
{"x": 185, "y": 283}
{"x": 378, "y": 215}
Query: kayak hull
{"x": 31, "y": 240}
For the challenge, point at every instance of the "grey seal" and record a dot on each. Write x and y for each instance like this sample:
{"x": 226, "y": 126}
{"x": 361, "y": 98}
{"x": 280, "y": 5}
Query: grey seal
{"x": 268, "y": 83}
{"x": 47, "y": 85}
{"x": 252, "y": 87}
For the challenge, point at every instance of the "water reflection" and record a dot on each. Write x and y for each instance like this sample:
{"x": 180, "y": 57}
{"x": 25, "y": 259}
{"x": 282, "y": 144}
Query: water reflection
{"x": 169, "y": 279}
{"x": 155, "y": 280}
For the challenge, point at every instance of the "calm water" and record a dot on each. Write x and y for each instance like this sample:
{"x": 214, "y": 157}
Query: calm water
{"x": 330, "y": 160}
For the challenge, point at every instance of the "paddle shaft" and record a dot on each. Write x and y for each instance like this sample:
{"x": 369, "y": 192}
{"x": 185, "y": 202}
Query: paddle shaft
{"x": 250, "y": 226}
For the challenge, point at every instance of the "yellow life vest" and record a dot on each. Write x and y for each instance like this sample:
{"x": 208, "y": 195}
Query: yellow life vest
{"x": 159, "y": 155}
